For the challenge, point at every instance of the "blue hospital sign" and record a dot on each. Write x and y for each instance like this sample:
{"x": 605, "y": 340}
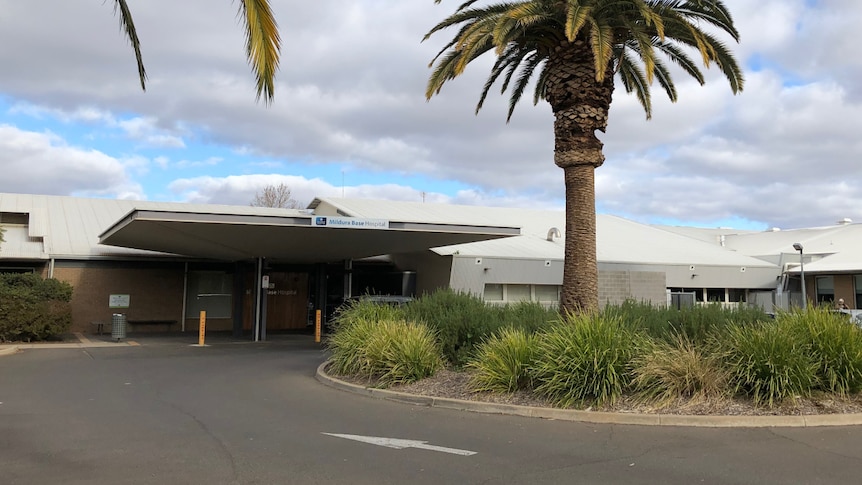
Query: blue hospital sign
{"x": 351, "y": 222}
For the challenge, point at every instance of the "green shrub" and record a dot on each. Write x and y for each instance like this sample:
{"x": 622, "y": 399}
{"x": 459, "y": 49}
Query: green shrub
{"x": 697, "y": 323}
{"x": 502, "y": 362}
{"x": 584, "y": 358}
{"x": 463, "y": 321}
{"x": 460, "y": 321}
{"x": 768, "y": 363}
{"x": 834, "y": 342}
{"x": 666, "y": 371}
{"x": 359, "y": 310}
{"x": 411, "y": 354}
{"x": 33, "y": 308}
{"x": 348, "y": 346}
{"x": 391, "y": 351}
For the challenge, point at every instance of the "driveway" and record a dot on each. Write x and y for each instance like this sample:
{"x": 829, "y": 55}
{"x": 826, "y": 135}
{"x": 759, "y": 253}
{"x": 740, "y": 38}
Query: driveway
{"x": 164, "y": 412}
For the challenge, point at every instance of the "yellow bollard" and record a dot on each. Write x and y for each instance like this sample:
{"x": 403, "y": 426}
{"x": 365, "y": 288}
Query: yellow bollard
{"x": 203, "y": 328}
{"x": 317, "y": 326}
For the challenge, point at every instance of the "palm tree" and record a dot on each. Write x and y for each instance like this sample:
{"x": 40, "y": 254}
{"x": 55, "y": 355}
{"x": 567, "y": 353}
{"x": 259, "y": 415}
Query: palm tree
{"x": 575, "y": 48}
{"x": 262, "y": 44}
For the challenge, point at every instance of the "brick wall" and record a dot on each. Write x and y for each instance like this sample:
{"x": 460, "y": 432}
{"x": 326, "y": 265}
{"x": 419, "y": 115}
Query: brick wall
{"x": 155, "y": 291}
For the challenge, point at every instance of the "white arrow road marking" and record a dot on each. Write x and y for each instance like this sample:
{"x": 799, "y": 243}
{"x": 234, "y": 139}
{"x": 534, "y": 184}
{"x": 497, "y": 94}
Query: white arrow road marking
{"x": 400, "y": 444}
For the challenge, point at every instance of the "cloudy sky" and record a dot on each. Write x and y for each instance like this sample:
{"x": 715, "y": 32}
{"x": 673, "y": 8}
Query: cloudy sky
{"x": 350, "y": 117}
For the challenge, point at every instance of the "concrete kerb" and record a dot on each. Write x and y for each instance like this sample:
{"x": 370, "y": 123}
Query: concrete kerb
{"x": 8, "y": 350}
{"x": 594, "y": 417}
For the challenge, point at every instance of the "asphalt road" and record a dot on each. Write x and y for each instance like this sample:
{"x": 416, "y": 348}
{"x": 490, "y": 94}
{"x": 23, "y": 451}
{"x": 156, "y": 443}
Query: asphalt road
{"x": 244, "y": 413}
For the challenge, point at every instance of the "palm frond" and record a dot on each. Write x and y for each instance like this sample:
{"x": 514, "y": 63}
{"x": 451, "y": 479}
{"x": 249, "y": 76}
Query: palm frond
{"x": 576, "y": 17}
{"x": 601, "y": 39}
{"x": 635, "y": 80}
{"x": 528, "y": 67}
{"x": 128, "y": 25}
{"x": 263, "y": 44}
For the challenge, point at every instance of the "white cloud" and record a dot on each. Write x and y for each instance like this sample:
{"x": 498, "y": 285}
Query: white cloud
{"x": 351, "y": 94}
{"x": 42, "y": 163}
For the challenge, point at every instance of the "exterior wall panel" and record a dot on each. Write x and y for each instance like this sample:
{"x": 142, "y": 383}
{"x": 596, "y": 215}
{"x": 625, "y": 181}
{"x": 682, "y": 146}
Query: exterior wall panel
{"x": 432, "y": 271}
{"x": 155, "y": 293}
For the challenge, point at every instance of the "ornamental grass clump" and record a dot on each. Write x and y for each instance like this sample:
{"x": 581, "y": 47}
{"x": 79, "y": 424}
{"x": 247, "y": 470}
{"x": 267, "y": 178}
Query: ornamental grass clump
{"x": 584, "y": 359}
{"x": 501, "y": 363}
{"x": 667, "y": 371}
{"x": 388, "y": 351}
{"x": 348, "y": 346}
{"x": 834, "y": 342}
{"x": 768, "y": 363}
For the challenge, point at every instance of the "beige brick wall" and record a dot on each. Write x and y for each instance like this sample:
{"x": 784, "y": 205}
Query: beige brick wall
{"x": 615, "y": 287}
{"x": 155, "y": 293}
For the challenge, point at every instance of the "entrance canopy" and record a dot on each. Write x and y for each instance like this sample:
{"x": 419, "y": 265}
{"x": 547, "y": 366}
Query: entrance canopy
{"x": 295, "y": 238}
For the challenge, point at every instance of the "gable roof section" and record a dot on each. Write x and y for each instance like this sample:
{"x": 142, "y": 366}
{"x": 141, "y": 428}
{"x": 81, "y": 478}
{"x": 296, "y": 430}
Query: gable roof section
{"x": 618, "y": 240}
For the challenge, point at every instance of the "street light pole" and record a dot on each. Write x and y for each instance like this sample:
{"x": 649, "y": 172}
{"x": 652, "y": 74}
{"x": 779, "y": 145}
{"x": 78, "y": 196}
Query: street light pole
{"x": 798, "y": 247}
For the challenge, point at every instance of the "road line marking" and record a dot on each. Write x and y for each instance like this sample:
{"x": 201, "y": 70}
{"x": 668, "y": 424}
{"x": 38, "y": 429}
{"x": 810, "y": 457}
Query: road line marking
{"x": 400, "y": 444}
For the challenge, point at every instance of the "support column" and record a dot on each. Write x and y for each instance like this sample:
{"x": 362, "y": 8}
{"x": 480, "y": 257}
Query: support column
{"x": 238, "y": 297}
{"x": 348, "y": 278}
{"x": 320, "y": 298}
{"x": 258, "y": 278}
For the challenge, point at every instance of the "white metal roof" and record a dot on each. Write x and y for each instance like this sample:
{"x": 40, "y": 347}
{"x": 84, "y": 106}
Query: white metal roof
{"x": 80, "y": 228}
{"x": 618, "y": 240}
{"x": 61, "y": 226}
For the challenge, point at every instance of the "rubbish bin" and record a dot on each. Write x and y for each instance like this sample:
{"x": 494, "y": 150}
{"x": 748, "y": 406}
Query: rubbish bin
{"x": 118, "y": 326}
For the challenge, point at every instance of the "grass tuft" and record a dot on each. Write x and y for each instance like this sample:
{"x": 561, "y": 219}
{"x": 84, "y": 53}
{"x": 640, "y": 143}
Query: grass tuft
{"x": 502, "y": 362}
{"x": 768, "y": 363}
{"x": 584, "y": 359}
{"x": 667, "y": 371}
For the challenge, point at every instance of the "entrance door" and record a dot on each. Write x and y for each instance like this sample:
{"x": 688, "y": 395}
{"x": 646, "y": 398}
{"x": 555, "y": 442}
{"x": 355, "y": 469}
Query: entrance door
{"x": 286, "y": 301}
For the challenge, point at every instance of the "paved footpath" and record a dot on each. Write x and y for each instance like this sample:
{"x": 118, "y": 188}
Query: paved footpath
{"x": 164, "y": 412}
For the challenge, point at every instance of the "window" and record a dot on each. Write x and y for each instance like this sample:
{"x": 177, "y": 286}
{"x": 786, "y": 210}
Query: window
{"x": 857, "y": 285}
{"x": 511, "y": 293}
{"x": 493, "y": 292}
{"x": 518, "y": 293}
{"x": 715, "y": 295}
{"x": 698, "y": 293}
{"x": 209, "y": 291}
{"x": 547, "y": 293}
{"x": 825, "y": 289}
{"x": 736, "y": 295}
{"x": 14, "y": 218}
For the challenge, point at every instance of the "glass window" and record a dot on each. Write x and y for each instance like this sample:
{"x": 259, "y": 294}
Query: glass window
{"x": 547, "y": 293}
{"x": 209, "y": 291}
{"x": 518, "y": 293}
{"x": 715, "y": 295}
{"x": 736, "y": 295}
{"x": 493, "y": 292}
{"x": 857, "y": 284}
{"x": 825, "y": 289}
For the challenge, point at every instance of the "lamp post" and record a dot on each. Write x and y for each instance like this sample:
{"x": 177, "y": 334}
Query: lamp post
{"x": 798, "y": 247}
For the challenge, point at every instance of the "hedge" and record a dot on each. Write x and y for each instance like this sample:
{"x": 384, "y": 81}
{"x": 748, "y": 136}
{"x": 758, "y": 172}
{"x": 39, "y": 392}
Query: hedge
{"x": 33, "y": 308}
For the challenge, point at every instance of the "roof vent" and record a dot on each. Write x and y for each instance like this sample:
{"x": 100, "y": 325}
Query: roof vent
{"x": 845, "y": 221}
{"x": 552, "y": 233}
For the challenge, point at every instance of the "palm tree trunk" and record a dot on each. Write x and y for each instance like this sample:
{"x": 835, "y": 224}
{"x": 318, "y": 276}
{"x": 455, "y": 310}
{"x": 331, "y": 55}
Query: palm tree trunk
{"x": 580, "y": 104}
{"x": 580, "y": 272}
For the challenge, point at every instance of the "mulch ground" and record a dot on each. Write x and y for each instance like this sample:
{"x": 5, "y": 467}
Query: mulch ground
{"x": 456, "y": 385}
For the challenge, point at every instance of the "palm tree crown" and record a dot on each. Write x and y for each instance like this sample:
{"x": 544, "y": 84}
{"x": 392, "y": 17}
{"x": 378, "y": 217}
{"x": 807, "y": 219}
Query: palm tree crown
{"x": 575, "y": 47}
{"x": 624, "y": 37}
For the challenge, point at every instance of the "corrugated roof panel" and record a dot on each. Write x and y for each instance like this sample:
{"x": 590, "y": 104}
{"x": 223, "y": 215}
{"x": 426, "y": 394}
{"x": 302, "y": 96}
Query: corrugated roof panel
{"x": 19, "y": 245}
